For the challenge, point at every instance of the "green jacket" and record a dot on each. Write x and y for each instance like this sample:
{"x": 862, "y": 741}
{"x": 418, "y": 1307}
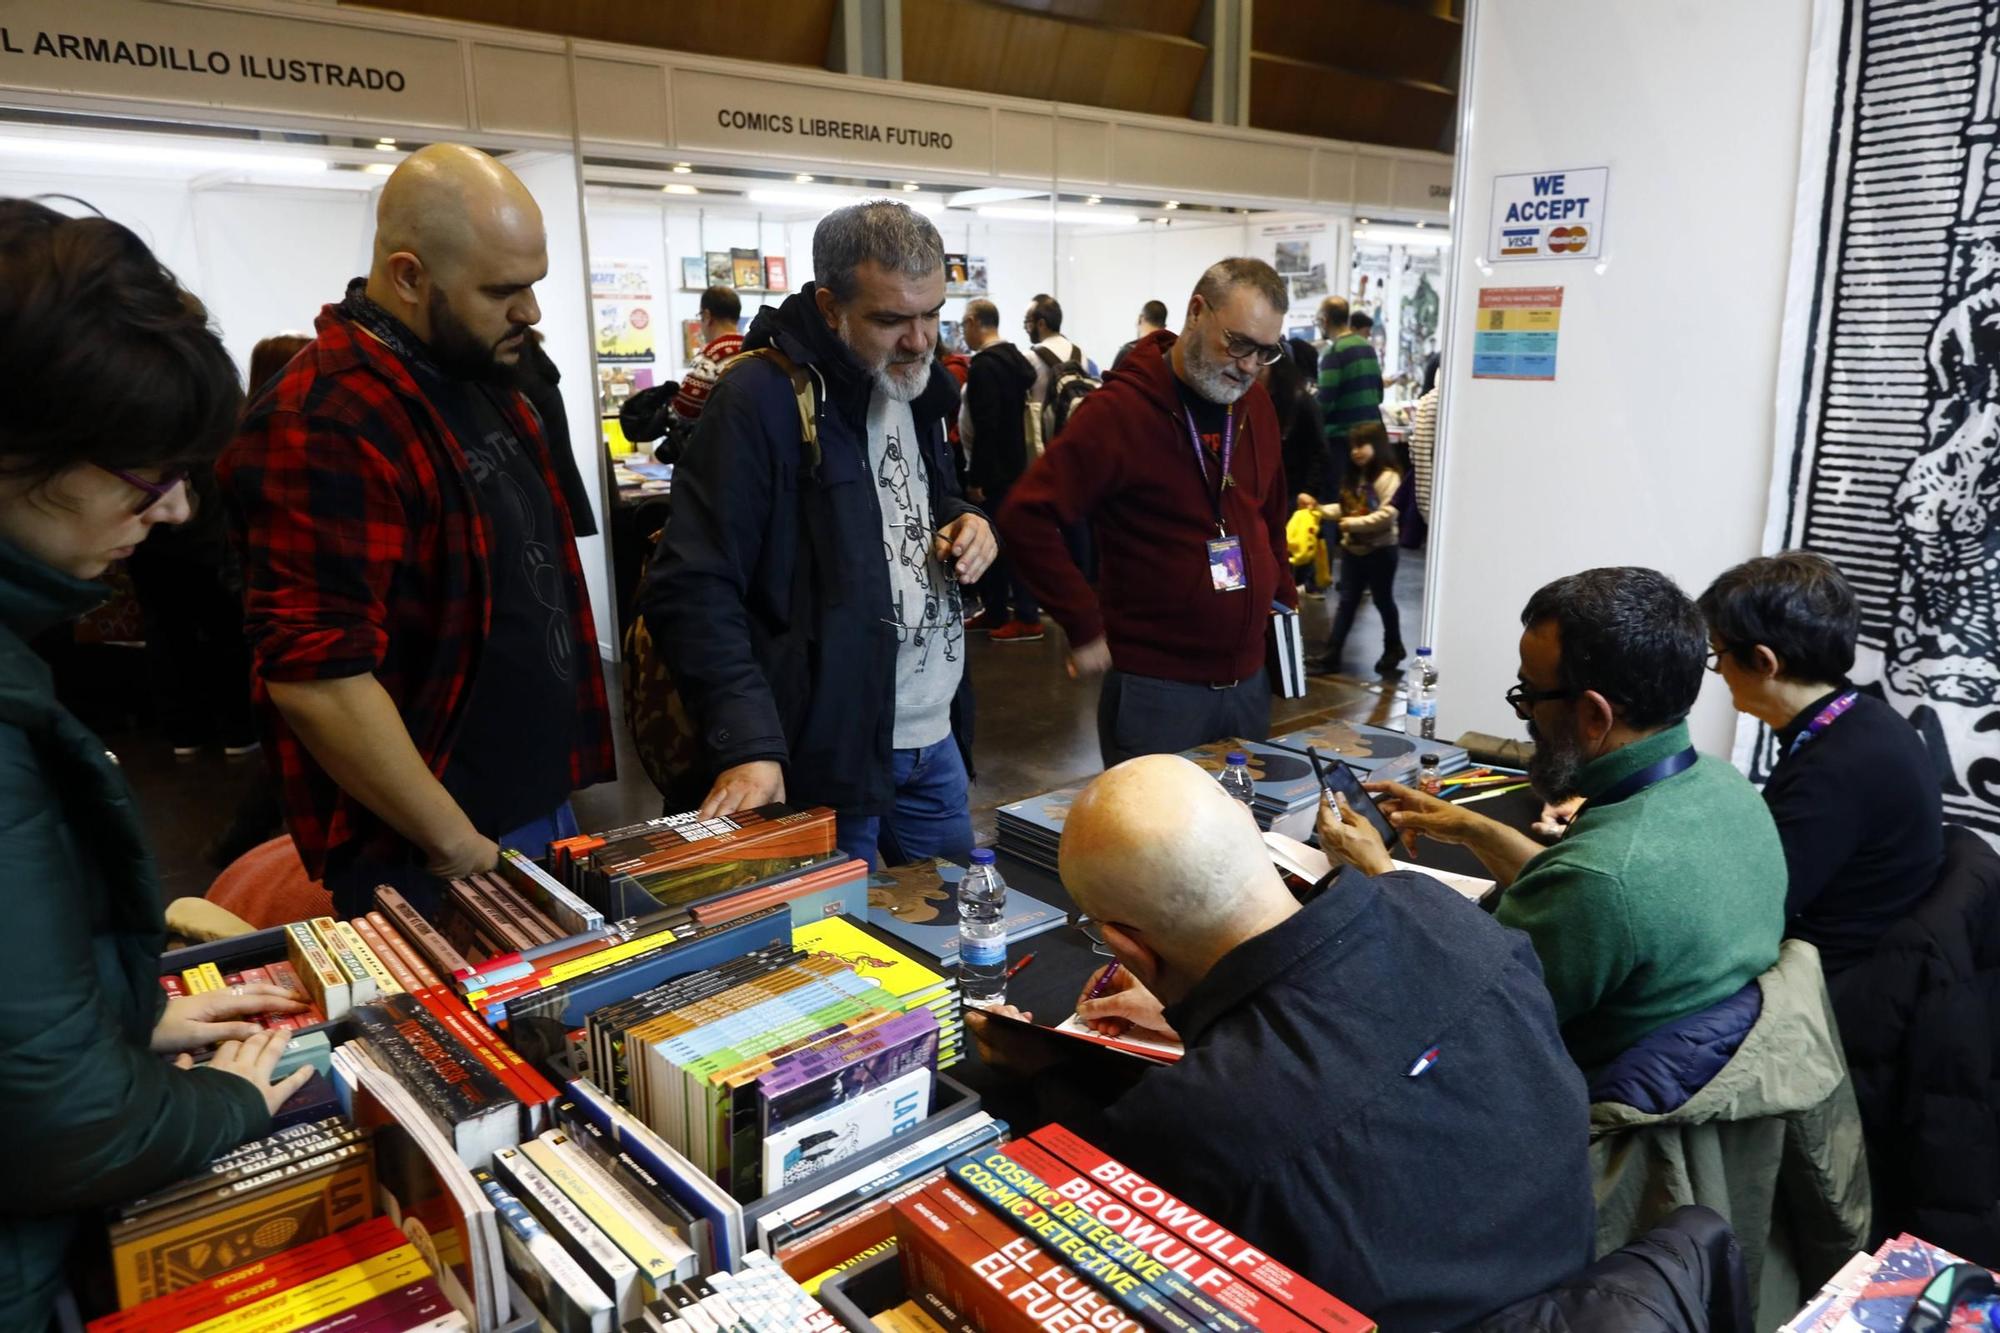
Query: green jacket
{"x": 1773, "y": 1143}
{"x": 92, "y": 1115}
{"x": 1655, "y": 907}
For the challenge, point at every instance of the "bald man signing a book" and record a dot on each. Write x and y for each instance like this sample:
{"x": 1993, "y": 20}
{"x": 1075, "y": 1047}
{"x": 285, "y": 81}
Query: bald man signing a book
{"x": 1374, "y": 1090}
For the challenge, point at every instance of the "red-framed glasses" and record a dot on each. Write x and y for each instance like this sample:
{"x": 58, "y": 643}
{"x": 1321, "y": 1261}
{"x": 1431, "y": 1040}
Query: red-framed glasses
{"x": 154, "y": 491}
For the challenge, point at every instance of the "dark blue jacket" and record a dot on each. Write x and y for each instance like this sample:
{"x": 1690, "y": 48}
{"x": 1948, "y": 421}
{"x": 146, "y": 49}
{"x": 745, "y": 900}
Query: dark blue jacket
{"x": 769, "y": 594}
{"x": 1666, "y": 1067}
{"x": 1422, "y": 1200}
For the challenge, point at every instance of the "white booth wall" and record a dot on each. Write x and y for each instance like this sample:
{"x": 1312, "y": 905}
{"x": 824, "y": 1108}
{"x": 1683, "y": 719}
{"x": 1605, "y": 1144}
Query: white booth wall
{"x": 265, "y": 258}
{"x": 1653, "y": 445}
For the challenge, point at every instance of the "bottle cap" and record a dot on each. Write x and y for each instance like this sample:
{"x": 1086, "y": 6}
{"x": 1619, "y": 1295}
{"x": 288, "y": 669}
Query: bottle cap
{"x": 1427, "y": 761}
{"x": 982, "y": 856}
{"x": 1423, "y": 652}
{"x": 1238, "y": 757}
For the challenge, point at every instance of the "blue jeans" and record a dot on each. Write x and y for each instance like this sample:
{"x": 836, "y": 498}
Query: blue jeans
{"x": 353, "y": 883}
{"x": 931, "y": 816}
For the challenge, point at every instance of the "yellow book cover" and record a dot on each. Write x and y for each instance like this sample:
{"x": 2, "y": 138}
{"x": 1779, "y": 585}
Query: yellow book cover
{"x": 870, "y": 957}
{"x": 360, "y": 980}
{"x": 591, "y": 962}
{"x": 328, "y": 1294}
{"x": 211, "y": 976}
{"x": 326, "y": 983}
{"x": 193, "y": 981}
{"x": 656, "y": 1271}
{"x": 199, "y": 1246}
{"x": 385, "y": 980}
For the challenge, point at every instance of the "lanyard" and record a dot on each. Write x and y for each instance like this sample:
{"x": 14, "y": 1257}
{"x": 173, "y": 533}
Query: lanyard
{"x": 1823, "y": 719}
{"x": 1201, "y": 457}
{"x": 1657, "y": 771}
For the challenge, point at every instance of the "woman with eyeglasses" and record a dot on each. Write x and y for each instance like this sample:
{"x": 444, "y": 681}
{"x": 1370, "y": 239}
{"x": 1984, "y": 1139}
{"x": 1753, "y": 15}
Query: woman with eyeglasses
{"x": 1855, "y": 793}
{"x": 112, "y": 386}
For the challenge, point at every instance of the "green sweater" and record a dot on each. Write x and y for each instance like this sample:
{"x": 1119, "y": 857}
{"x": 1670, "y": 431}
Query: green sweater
{"x": 1655, "y": 907}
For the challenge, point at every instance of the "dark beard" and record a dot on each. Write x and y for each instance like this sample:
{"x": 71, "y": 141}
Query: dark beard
{"x": 458, "y": 351}
{"x": 1556, "y": 766}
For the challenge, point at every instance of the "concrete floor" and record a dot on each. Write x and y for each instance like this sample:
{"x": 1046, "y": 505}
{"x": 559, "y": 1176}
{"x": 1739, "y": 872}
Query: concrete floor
{"x": 1037, "y": 731}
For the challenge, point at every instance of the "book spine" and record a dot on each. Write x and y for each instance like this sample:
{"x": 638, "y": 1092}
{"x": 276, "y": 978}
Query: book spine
{"x": 361, "y": 982}
{"x": 285, "y": 978}
{"x": 310, "y": 1301}
{"x": 1008, "y": 1190}
{"x": 391, "y": 959}
{"x": 211, "y": 977}
{"x": 940, "y": 1256}
{"x": 351, "y": 939}
{"x": 255, "y": 1280}
{"x": 914, "y": 1162}
{"x": 325, "y": 984}
{"x": 609, "y": 1268}
{"x": 412, "y": 926}
{"x": 1019, "y": 1258}
{"x": 169, "y": 1211}
{"x": 1223, "y": 1286}
{"x": 573, "y": 1296}
{"x": 398, "y": 944}
{"x": 483, "y": 912}
{"x": 656, "y": 1270}
{"x": 518, "y": 910}
{"x": 1217, "y": 1242}
{"x": 268, "y": 1155}
{"x": 406, "y": 1308}
{"x": 600, "y": 1177}
{"x": 454, "y": 1018}
{"x": 526, "y": 1081}
{"x": 547, "y": 892}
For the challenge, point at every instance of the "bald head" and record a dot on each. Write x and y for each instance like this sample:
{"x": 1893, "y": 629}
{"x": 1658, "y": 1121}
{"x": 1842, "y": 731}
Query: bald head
{"x": 1156, "y": 844}
{"x": 459, "y": 246}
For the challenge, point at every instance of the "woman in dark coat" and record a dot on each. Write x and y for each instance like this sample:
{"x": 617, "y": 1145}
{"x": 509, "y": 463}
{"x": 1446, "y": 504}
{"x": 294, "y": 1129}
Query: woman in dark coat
{"x": 112, "y": 387}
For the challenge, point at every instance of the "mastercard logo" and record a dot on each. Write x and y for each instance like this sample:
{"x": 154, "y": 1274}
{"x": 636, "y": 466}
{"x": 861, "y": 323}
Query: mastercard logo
{"x": 1568, "y": 240}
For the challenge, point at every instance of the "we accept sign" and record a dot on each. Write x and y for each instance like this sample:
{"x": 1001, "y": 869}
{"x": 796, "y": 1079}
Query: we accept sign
{"x": 1549, "y": 215}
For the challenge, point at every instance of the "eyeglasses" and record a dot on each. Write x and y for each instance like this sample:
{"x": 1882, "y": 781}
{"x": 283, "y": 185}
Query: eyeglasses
{"x": 1092, "y": 932}
{"x": 1239, "y": 347}
{"x": 1522, "y": 699}
{"x": 1714, "y": 659}
{"x": 154, "y": 491}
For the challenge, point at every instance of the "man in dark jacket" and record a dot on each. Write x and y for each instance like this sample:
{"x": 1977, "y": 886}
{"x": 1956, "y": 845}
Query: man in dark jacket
{"x": 1374, "y": 1090}
{"x": 805, "y": 595}
{"x": 1176, "y": 466}
{"x": 992, "y": 425}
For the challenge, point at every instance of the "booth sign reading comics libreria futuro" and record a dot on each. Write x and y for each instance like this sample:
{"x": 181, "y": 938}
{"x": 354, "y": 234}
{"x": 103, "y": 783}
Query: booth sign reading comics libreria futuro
{"x": 812, "y": 121}
{"x": 181, "y": 54}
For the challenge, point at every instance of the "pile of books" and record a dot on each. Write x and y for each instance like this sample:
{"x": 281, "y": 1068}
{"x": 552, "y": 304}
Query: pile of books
{"x": 1050, "y": 1231}
{"x": 1373, "y": 752}
{"x": 918, "y": 903}
{"x": 1877, "y": 1291}
{"x": 917, "y": 986}
{"x": 368, "y": 1275}
{"x": 1032, "y": 829}
{"x": 715, "y": 869}
{"x": 769, "y": 1068}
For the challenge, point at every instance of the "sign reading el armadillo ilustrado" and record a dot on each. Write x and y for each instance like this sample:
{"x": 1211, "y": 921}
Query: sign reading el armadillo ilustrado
{"x": 1549, "y": 215}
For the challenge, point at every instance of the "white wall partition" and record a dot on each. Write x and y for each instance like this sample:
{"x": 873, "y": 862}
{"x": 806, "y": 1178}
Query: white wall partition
{"x": 1652, "y": 446}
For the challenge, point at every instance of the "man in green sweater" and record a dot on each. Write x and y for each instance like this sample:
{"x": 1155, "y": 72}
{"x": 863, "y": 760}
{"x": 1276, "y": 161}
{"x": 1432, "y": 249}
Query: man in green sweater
{"x": 1667, "y": 892}
{"x": 1350, "y": 378}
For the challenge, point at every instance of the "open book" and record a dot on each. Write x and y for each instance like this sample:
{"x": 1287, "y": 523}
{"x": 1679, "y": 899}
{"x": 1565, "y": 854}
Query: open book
{"x": 1073, "y": 1028}
{"x": 1311, "y": 865}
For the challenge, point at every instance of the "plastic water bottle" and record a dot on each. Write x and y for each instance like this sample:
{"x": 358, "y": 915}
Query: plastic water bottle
{"x": 1236, "y": 779}
{"x": 1421, "y": 689}
{"x": 982, "y": 932}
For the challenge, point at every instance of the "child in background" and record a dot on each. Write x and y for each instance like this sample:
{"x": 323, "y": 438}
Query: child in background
{"x": 1309, "y": 557}
{"x": 1366, "y": 513}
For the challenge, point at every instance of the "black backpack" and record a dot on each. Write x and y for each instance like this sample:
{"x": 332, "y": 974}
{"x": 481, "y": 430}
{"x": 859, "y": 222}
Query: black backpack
{"x": 1067, "y": 385}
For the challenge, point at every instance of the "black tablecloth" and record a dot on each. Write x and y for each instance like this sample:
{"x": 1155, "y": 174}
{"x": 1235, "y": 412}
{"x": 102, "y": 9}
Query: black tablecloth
{"x": 1049, "y": 986}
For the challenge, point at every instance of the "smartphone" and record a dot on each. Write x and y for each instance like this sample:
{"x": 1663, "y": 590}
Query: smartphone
{"x": 1336, "y": 777}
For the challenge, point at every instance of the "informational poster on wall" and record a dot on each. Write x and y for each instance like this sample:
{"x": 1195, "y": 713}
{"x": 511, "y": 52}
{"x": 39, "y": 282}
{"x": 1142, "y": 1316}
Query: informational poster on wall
{"x": 1889, "y": 373}
{"x": 621, "y": 298}
{"x": 1514, "y": 337}
{"x": 1549, "y": 215}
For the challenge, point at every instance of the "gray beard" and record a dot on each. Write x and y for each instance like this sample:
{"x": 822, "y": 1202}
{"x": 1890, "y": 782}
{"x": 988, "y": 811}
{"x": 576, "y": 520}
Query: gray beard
{"x": 1210, "y": 381}
{"x": 1556, "y": 767}
{"x": 902, "y": 383}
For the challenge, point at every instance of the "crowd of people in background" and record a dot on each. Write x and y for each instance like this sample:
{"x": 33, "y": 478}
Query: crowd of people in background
{"x": 421, "y": 664}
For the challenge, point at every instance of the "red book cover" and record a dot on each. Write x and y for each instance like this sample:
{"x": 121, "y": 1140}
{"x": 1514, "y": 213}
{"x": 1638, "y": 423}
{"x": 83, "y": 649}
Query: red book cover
{"x": 1025, "y": 1273}
{"x": 172, "y": 985}
{"x": 943, "y": 1256}
{"x": 1219, "y": 1283}
{"x": 1119, "y": 1184}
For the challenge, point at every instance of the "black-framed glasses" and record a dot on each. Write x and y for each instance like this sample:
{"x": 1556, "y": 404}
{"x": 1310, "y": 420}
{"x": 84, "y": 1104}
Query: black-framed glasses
{"x": 1092, "y": 932}
{"x": 1239, "y": 347}
{"x": 1522, "y": 699}
{"x": 1713, "y": 661}
{"x": 154, "y": 491}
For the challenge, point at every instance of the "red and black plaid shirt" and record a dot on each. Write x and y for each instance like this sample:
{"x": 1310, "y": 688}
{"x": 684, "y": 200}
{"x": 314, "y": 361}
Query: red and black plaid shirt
{"x": 365, "y": 551}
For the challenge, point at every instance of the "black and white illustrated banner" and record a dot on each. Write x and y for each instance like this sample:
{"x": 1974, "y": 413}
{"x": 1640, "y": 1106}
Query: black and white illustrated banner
{"x": 1888, "y": 417}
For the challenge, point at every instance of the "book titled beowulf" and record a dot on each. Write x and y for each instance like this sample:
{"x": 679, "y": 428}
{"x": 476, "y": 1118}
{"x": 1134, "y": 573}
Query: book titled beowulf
{"x": 467, "y": 1101}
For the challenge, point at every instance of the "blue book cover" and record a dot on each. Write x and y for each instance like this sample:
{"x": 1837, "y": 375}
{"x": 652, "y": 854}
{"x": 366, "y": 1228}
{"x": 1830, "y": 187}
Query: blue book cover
{"x": 1365, "y": 748}
{"x": 919, "y": 903}
{"x": 1283, "y": 778}
{"x": 1044, "y": 813}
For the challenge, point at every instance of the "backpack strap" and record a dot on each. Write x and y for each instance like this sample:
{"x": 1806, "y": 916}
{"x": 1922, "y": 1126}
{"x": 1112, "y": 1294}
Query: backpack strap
{"x": 1048, "y": 358}
{"x": 802, "y": 393}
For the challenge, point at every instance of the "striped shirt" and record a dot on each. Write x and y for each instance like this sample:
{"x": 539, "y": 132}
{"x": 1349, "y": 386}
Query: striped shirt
{"x": 699, "y": 382}
{"x": 1350, "y": 385}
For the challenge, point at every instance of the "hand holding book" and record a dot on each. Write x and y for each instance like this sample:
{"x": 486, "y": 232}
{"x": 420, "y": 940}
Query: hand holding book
{"x": 1117, "y": 1004}
{"x": 1006, "y": 1047}
{"x": 254, "y": 1061}
{"x": 194, "y": 1022}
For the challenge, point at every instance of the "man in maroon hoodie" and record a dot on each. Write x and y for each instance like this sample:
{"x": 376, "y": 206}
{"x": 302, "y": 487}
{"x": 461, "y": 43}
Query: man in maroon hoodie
{"x": 1175, "y": 465}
